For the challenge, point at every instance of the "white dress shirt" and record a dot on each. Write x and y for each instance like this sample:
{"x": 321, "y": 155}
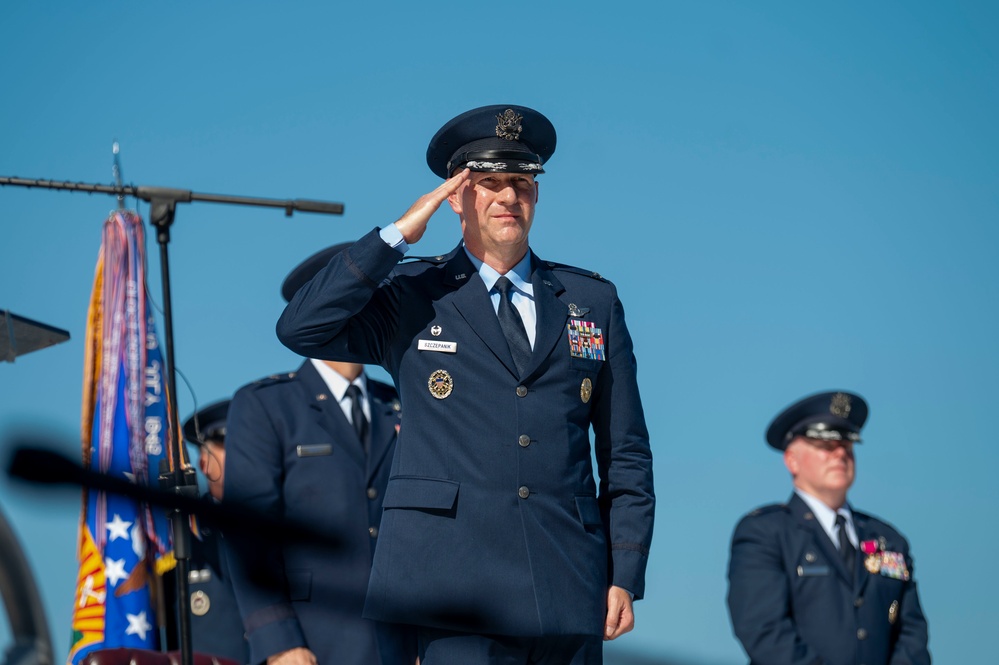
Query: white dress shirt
{"x": 826, "y": 517}
{"x": 338, "y": 388}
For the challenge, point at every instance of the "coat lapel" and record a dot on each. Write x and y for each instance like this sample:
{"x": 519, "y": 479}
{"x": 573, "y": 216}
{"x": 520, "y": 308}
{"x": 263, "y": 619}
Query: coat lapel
{"x": 551, "y": 313}
{"x": 384, "y": 418}
{"x": 328, "y": 414}
{"x": 807, "y": 522}
{"x": 473, "y": 304}
{"x": 863, "y": 533}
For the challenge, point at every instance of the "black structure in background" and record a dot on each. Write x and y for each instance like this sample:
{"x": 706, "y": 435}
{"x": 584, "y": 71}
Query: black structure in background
{"x": 19, "y": 335}
{"x": 162, "y": 210}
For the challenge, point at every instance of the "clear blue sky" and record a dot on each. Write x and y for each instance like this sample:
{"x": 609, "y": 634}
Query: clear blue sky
{"x": 790, "y": 196}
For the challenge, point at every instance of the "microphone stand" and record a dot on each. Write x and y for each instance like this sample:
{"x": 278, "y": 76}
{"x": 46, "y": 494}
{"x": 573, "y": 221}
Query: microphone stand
{"x": 162, "y": 211}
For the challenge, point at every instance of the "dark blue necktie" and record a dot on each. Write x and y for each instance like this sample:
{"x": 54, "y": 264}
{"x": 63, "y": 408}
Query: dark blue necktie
{"x": 513, "y": 326}
{"x": 357, "y": 416}
{"x": 847, "y": 552}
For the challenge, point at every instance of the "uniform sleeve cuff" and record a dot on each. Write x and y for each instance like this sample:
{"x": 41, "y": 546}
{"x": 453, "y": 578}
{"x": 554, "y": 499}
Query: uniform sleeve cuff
{"x": 393, "y": 238}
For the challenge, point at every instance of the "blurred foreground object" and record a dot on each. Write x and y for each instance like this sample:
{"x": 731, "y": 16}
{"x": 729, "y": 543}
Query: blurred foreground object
{"x": 122, "y": 656}
{"x": 19, "y": 335}
{"x": 32, "y": 644}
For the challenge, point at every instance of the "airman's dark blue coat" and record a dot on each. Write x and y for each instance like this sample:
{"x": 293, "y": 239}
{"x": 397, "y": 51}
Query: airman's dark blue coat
{"x": 216, "y": 627}
{"x": 492, "y": 521}
{"x": 291, "y": 453}
{"x": 793, "y": 602}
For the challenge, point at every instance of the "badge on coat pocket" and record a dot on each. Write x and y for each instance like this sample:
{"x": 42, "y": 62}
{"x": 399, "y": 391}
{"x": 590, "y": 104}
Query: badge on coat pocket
{"x": 314, "y": 450}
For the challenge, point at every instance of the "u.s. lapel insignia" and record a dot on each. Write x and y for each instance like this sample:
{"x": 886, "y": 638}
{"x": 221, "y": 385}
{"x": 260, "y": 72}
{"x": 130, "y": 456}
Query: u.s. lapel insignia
{"x": 586, "y": 390}
{"x": 440, "y": 384}
{"x": 200, "y": 603}
{"x": 893, "y": 612}
{"x": 576, "y": 311}
{"x": 435, "y": 331}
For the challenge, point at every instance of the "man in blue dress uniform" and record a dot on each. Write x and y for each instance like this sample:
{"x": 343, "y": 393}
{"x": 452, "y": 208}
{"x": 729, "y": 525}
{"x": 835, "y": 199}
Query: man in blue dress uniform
{"x": 494, "y": 542}
{"x": 216, "y": 627}
{"x": 815, "y": 581}
{"x": 313, "y": 447}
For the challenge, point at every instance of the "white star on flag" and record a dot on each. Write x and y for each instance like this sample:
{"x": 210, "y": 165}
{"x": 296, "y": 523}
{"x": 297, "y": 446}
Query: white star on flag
{"x": 137, "y": 625}
{"x": 114, "y": 571}
{"x": 117, "y": 528}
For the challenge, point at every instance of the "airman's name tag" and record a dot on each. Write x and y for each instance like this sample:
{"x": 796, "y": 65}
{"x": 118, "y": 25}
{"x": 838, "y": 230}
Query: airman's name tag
{"x": 436, "y": 345}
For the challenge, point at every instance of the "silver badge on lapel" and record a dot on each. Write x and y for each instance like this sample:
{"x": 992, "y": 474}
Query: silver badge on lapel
{"x": 436, "y": 331}
{"x": 577, "y": 311}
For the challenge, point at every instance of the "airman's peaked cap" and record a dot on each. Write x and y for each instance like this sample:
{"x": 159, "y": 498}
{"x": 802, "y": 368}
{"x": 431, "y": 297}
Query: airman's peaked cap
{"x": 836, "y": 415}
{"x": 502, "y": 138}
{"x": 207, "y": 423}
{"x": 303, "y": 273}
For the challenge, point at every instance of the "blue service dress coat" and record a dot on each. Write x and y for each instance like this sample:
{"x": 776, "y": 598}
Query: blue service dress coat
{"x": 792, "y": 600}
{"x": 492, "y": 521}
{"x": 291, "y": 453}
{"x": 216, "y": 626}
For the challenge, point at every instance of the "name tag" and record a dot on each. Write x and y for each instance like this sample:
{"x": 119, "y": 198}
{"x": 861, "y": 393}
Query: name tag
{"x": 809, "y": 571}
{"x": 314, "y": 450}
{"x": 435, "y": 345}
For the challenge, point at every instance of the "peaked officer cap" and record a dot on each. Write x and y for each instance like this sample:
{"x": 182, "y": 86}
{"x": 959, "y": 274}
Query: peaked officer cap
{"x": 502, "y": 138}
{"x": 207, "y": 423}
{"x": 301, "y": 274}
{"x": 835, "y": 415}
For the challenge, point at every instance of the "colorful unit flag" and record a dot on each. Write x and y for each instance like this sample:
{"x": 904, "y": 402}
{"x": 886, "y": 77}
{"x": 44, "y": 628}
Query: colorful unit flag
{"x": 125, "y": 433}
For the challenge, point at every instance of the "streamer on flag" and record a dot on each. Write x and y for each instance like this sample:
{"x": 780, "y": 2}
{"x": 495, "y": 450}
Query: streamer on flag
{"x": 125, "y": 433}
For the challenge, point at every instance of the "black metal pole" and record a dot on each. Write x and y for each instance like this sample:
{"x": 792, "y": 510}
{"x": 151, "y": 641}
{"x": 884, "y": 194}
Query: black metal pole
{"x": 161, "y": 216}
{"x": 177, "y": 195}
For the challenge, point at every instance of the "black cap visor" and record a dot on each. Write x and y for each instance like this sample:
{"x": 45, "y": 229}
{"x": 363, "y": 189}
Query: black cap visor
{"x": 496, "y": 161}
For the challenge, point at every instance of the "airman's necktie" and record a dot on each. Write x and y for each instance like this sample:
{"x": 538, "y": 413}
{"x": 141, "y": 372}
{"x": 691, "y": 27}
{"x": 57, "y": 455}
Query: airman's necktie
{"x": 847, "y": 551}
{"x": 357, "y": 416}
{"x": 513, "y": 326}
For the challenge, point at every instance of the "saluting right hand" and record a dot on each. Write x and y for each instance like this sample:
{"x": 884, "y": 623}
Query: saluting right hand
{"x": 413, "y": 224}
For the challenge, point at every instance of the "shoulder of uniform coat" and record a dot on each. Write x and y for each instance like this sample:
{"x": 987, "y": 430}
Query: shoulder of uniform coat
{"x": 769, "y": 509}
{"x": 562, "y": 267}
{"x": 384, "y": 393}
{"x": 270, "y": 380}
